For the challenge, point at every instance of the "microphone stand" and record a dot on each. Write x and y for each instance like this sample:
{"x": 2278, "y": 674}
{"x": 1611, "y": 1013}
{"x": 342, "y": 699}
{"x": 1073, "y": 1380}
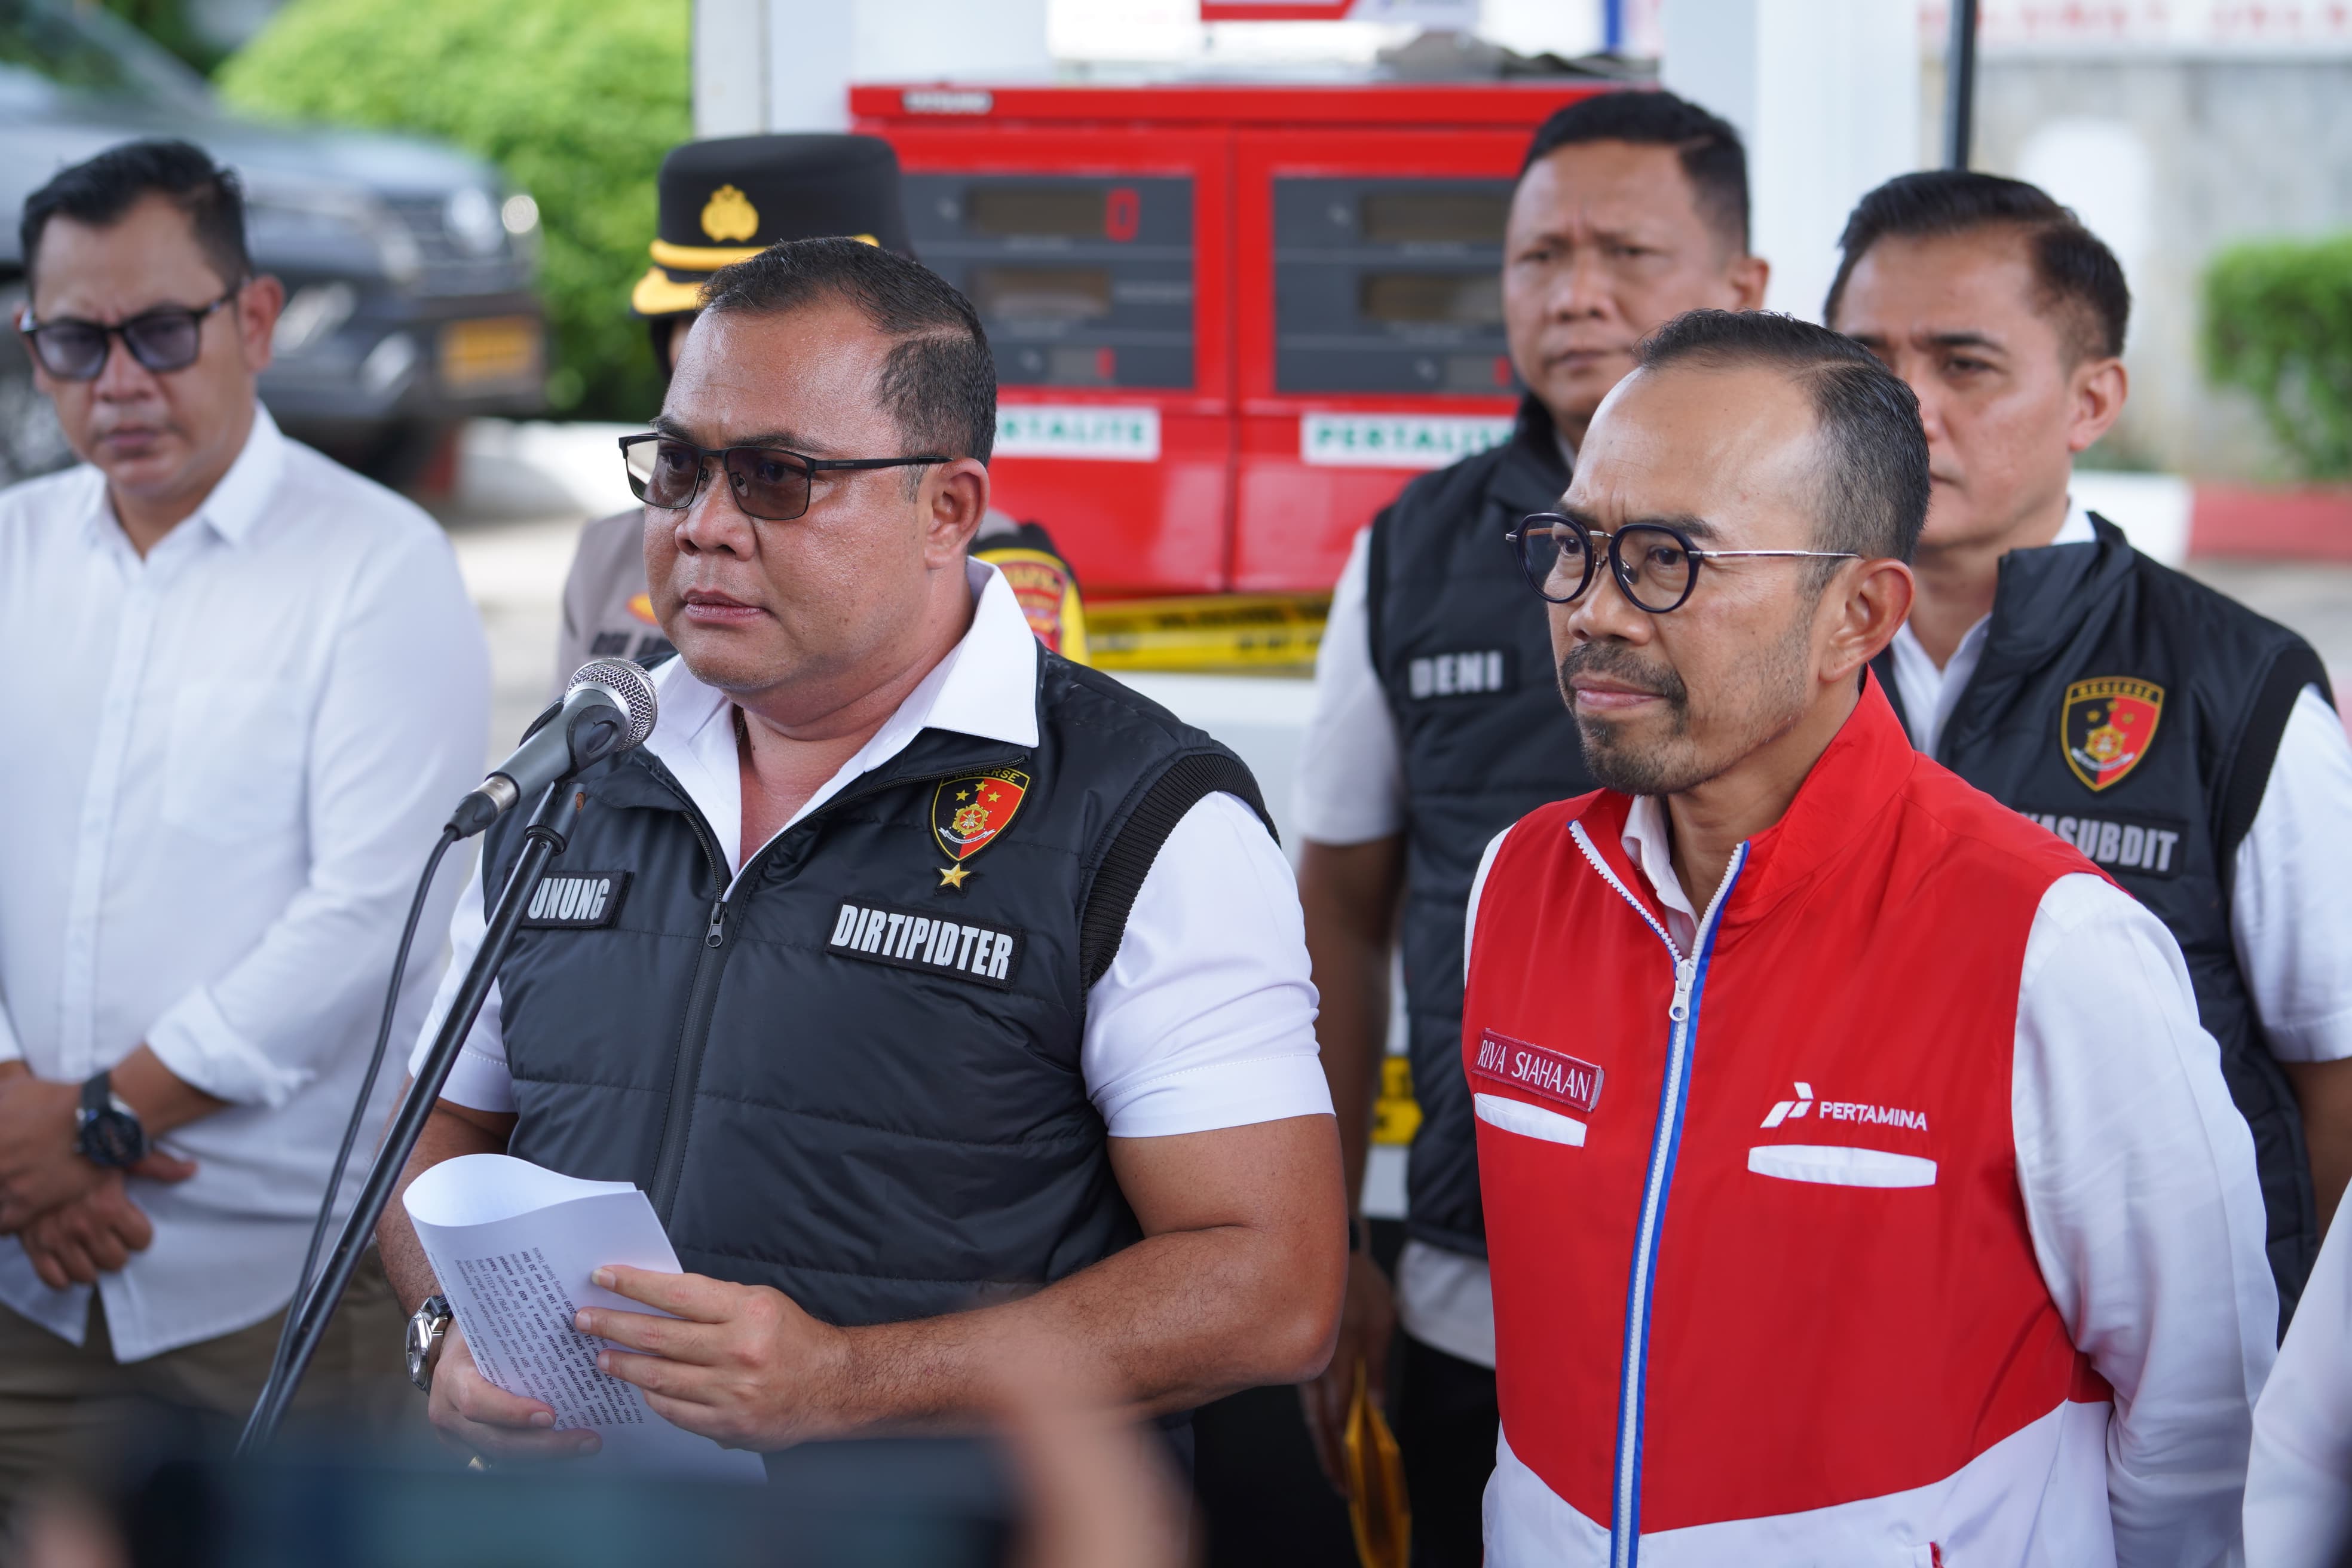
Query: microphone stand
{"x": 542, "y": 841}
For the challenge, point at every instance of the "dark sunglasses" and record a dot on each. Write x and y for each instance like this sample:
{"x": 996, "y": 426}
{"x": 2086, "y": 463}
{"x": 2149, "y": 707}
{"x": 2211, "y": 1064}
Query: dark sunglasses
{"x": 168, "y": 337}
{"x": 769, "y": 483}
{"x": 1657, "y": 565}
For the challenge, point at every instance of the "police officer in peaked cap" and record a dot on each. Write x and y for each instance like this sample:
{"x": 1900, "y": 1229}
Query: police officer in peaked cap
{"x": 719, "y": 202}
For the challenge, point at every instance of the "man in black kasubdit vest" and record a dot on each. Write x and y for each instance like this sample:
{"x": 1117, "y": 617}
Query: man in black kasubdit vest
{"x": 2187, "y": 745}
{"x": 1437, "y": 724}
{"x": 942, "y": 995}
{"x": 725, "y": 200}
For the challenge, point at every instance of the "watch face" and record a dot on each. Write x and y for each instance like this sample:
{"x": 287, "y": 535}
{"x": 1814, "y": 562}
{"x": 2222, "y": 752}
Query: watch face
{"x": 113, "y": 1140}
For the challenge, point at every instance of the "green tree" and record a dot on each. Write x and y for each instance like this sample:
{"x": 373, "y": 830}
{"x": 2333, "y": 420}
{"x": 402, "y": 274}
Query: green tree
{"x": 2278, "y": 324}
{"x": 576, "y": 101}
{"x": 166, "y": 22}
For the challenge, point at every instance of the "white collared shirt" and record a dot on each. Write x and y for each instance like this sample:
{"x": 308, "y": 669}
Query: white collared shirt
{"x": 1207, "y": 1017}
{"x": 2290, "y": 921}
{"x": 229, "y": 761}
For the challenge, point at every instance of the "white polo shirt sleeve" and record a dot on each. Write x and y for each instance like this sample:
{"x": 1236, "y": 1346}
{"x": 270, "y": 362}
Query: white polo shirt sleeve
{"x": 1205, "y": 1020}
{"x": 1350, "y": 781}
{"x": 2290, "y": 920}
{"x": 2137, "y": 1175}
{"x": 1207, "y": 1017}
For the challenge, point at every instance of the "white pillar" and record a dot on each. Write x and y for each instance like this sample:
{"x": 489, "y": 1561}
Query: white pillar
{"x": 730, "y": 68}
{"x": 1826, "y": 95}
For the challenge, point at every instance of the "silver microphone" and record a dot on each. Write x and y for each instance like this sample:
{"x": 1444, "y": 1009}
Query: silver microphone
{"x": 608, "y": 709}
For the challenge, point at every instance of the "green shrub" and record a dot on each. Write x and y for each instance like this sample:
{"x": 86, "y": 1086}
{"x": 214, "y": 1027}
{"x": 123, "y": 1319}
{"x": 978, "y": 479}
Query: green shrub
{"x": 2278, "y": 324}
{"x": 575, "y": 99}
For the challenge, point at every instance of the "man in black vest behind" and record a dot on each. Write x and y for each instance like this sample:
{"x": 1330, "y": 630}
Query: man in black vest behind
{"x": 946, "y": 996}
{"x": 1437, "y": 724}
{"x": 2186, "y": 744}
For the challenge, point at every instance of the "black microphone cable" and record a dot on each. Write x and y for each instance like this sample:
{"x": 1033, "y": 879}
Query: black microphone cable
{"x": 306, "y": 1280}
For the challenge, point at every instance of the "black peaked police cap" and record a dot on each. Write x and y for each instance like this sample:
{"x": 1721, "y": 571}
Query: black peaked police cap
{"x": 731, "y": 197}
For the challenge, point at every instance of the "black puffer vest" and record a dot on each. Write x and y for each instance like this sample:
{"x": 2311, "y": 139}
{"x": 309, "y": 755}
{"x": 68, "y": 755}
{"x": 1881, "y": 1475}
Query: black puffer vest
{"x": 2136, "y": 712}
{"x": 840, "y": 1077}
{"x": 1464, "y": 649}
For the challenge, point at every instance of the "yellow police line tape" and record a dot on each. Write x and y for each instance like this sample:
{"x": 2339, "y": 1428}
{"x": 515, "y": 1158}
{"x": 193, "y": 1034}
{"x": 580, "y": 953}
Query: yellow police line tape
{"x": 1207, "y": 632}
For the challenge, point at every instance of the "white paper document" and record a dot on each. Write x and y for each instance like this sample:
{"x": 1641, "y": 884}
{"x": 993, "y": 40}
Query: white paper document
{"x": 513, "y": 1244}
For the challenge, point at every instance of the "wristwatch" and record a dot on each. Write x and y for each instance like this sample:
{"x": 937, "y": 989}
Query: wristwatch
{"x": 107, "y": 1131}
{"x": 425, "y": 1327}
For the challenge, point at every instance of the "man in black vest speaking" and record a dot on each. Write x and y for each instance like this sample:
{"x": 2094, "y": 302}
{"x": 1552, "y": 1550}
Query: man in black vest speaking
{"x": 947, "y": 996}
{"x": 2184, "y": 744}
{"x": 1437, "y": 724}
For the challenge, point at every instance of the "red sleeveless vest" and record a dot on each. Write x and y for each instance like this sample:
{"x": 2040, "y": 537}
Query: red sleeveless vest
{"x": 1758, "y": 1241}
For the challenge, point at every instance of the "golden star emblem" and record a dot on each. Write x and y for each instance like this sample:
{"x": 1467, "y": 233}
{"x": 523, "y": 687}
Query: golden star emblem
{"x": 953, "y": 877}
{"x": 963, "y": 795}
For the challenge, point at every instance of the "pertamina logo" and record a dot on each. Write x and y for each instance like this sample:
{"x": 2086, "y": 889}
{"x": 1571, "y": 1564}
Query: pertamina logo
{"x": 1842, "y": 1111}
{"x": 967, "y": 814}
{"x": 2107, "y": 726}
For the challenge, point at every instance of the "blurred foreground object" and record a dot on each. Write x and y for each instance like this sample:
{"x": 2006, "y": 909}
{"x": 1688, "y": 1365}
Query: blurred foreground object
{"x": 2278, "y": 325}
{"x": 1070, "y": 1484}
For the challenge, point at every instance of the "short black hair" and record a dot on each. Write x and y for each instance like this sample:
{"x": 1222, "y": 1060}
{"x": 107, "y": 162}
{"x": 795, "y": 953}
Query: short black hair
{"x": 2076, "y": 275}
{"x": 1873, "y": 448}
{"x": 101, "y": 190}
{"x": 1712, "y": 157}
{"x": 940, "y": 380}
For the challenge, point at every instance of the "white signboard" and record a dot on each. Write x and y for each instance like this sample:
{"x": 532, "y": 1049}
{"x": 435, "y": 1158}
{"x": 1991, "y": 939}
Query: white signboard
{"x": 1104, "y": 434}
{"x": 1395, "y": 440}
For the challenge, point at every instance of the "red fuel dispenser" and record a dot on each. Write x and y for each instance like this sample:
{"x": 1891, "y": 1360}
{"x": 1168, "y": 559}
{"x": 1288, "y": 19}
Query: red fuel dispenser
{"x": 1230, "y": 321}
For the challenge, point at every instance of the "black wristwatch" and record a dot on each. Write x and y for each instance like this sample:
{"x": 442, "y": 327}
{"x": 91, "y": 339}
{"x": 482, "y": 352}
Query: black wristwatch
{"x": 109, "y": 1136}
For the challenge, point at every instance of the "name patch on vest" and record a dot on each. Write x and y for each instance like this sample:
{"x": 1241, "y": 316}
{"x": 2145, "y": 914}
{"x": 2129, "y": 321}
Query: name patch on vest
{"x": 576, "y": 901}
{"x": 906, "y": 938}
{"x": 1478, "y": 673}
{"x": 1538, "y": 1070}
{"x": 2143, "y": 847}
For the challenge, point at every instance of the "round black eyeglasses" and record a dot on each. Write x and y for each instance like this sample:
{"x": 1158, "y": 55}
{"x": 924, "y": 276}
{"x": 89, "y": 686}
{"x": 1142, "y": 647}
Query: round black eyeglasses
{"x": 770, "y": 483}
{"x": 1654, "y": 564}
{"x": 167, "y": 338}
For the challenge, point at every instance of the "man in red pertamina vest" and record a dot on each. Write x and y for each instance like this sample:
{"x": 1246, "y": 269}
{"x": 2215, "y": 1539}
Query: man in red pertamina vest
{"x": 1860, "y": 1187}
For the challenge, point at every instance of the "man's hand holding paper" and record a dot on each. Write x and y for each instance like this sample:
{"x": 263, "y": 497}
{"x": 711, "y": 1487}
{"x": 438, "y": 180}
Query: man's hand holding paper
{"x": 740, "y": 1364}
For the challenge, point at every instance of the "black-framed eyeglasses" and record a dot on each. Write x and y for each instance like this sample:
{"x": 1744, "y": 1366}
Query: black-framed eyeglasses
{"x": 1655, "y": 564}
{"x": 770, "y": 483}
{"x": 168, "y": 337}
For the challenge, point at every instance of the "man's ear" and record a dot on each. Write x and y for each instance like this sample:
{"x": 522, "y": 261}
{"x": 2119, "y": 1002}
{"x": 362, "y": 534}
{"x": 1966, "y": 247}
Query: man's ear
{"x": 1868, "y": 601}
{"x": 258, "y": 305}
{"x": 2099, "y": 387}
{"x": 1749, "y": 276}
{"x": 954, "y": 499}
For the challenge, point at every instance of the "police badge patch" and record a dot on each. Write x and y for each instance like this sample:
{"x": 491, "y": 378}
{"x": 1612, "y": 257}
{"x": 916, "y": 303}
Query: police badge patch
{"x": 2107, "y": 726}
{"x": 967, "y": 814}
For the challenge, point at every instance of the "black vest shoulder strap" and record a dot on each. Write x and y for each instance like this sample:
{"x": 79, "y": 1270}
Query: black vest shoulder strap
{"x": 2241, "y": 795}
{"x": 1376, "y": 579}
{"x": 1186, "y": 782}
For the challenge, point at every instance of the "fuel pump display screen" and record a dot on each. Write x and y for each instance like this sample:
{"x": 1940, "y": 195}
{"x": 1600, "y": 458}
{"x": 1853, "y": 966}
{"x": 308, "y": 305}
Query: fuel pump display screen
{"x": 1080, "y": 281}
{"x": 1022, "y": 212}
{"x": 1391, "y": 286}
{"x": 1435, "y": 217}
